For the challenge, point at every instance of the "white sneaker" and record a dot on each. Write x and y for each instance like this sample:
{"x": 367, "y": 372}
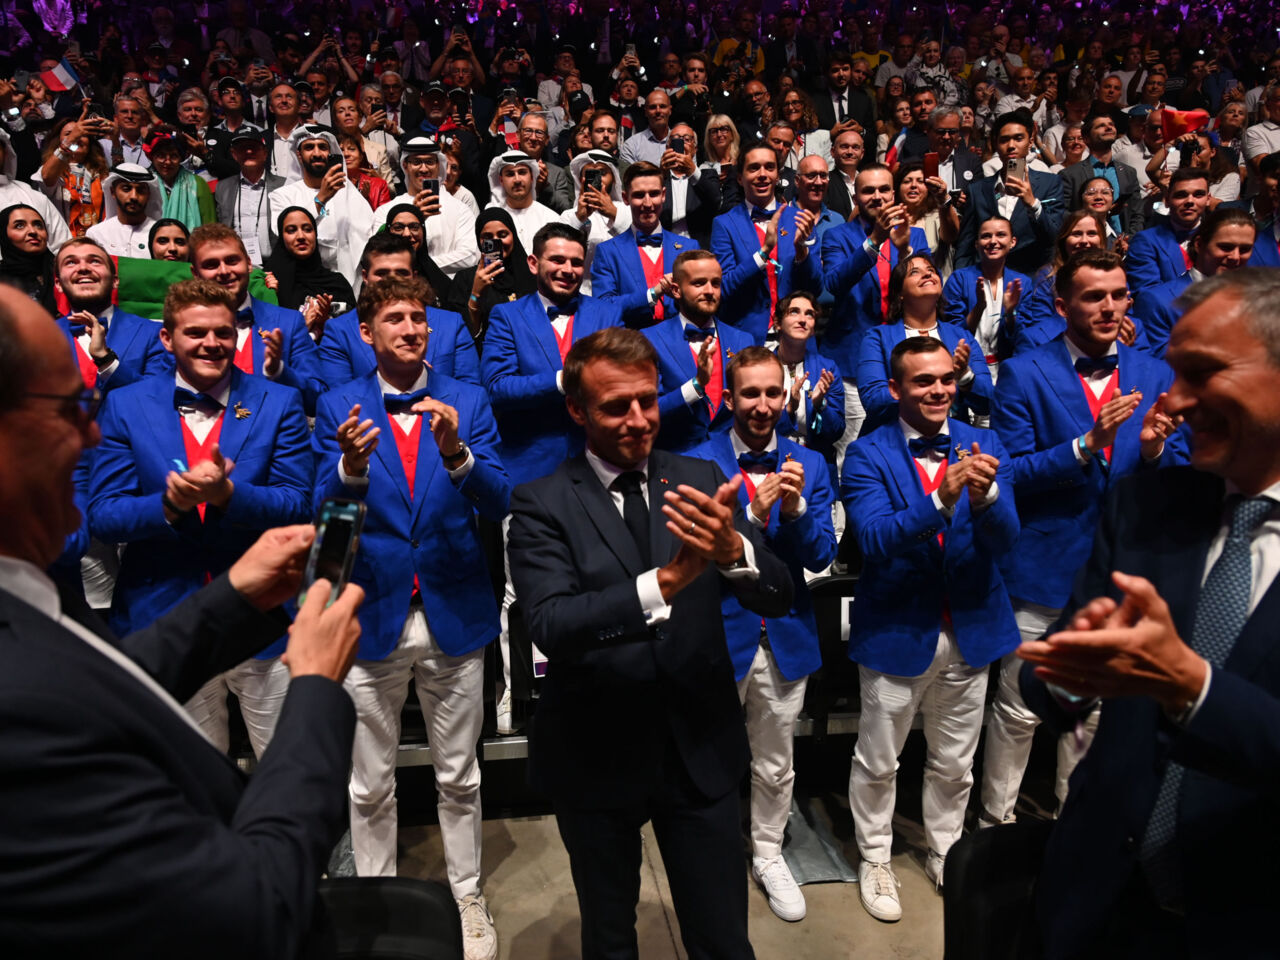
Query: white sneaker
{"x": 933, "y": 867}
{"x": 774, "y": 876}
{"x": 879, "y": 889}
{"x": 479, "y": 939}
{"x": 504, "y": 713}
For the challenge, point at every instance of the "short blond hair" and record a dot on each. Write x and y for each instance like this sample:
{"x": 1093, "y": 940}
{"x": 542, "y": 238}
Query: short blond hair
{"x": 196, "y": 291}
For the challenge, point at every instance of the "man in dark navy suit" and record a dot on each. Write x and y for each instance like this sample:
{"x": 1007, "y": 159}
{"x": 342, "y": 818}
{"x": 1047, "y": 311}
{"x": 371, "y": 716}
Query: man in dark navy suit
{"x": 1173, "y": 624}
{"x": 125, "y": 833}
{"x": 1034, "y": 206}
{"x": 620, "y": 558}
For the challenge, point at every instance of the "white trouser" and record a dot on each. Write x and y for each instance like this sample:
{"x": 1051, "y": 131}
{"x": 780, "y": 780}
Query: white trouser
{"x": 451, "y": 691}
{"x": 259, "y": 685}
{"x": 1013, "y": 726}
{"x": 772, "y": 704}
{"x": 504, "y": 615}
{"x": 854, "y": 414}
{"x": 950, "y": 695}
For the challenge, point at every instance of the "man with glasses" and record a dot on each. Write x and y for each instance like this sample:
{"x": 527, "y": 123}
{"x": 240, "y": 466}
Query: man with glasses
{"x": 450, "y": 227}
{"x": 958, "y": 168}
{"x": 132, "y": 886}
{"x": 1162, "y": 252}
{"x": 812, "y": 179}
{"x": 554, "y": 186}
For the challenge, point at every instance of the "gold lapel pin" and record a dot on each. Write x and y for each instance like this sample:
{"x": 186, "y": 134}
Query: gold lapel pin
{"x": 782, "y": 232}
{"x": 663, "y": 480}
{"x": 262, "y": 334}
{"x": 678, "y": 246}
{"x": 242, "y": 412}
{"x": 961, "y": 452}
{"x": 789, "y": 457}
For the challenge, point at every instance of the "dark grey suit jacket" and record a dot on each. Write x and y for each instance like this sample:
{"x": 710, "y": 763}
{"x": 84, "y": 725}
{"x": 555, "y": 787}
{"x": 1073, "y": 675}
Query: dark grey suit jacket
{"x": 224, "y": 201}
{"x": 1132, "y": 201}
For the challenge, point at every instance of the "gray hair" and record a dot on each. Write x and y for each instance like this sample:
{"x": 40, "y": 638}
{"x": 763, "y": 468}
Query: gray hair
{"x": 1256, "y": 291}
{"x": 941, "y": 113}
{"x": 192, "y": 93}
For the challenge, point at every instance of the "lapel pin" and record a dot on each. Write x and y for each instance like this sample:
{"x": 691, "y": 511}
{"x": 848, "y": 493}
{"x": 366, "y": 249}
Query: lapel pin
{"x": 961, "y": 452}
{"x": 511, "y": 298}
{"x": 663, "y": 480}
{"x": 789, "y": 457}
{"x": 242, "y": 412}
{"x": 782, "y": 232}
{"x": 730, "y": 354}
{"x": 678, "y": 246}
{"x": 1133, "y": 391}
{"x": 262, "y": 334}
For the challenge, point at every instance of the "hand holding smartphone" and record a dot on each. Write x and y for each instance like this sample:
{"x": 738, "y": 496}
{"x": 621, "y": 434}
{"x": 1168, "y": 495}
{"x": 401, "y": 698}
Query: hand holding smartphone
{"x": 333, "y": 552}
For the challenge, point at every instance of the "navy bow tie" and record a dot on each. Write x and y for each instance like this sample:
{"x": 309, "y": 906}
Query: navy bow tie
{"x": 758, "y": 214}
{"x": 649, "y": 239}
{"x": 698, "y": 334}
{"x": 401, "y": 402}
{"x": 568, "y": 310}
{"x": 77, "y": 329}
{"x": 244, "y": 318}
{"x": 183, "y": 397}
{"x": 921, "y": 447}
{"x": 766, "y": 458}
{"x": 1087, "y": 366}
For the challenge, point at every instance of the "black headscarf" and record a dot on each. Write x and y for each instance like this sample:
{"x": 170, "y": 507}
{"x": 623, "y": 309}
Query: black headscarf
{"x": 166, "y": 222}
{"x": 426, "y": 268}
{"x": 516, "y": 279}
{"x": 32, "y": 273}
{"x": 298, "y": 279}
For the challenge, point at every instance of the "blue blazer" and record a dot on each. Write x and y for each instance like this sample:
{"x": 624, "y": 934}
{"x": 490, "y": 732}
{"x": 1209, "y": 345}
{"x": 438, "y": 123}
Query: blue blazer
{"x": 1154, "y": 307}
{"x": 1266, "y": 252}
{"x": 520, "y": 363}
{"x": 1155, "y": 255}
{"x": 1159, "y": 526}
{"x": 849, "y": 273}
{"x": 873, "y": 373}
{"x": 684, "y": 425}
{"x": 960, "y": 295}
{"x": 433, "y": 533}
{"x": 450, "y": 349}
{"x": 141, "y": 437}
{"x": 617, "y": 276}
{"x": 897, "y": 614}
{"x": 1035, "y": 235}
{"x": 825, "y": 422}
{"x": 1040, "y": 411}
{"x": 745, "y": 291}
{"x": 805, "y": 543}
{"x": 135, "y": 340}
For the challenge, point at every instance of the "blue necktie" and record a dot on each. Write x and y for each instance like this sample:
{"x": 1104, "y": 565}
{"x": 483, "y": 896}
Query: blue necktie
{"x": 568, "y": 310}
{"x": 921, "y": 447}
{"x": 183, "y": 397}
{"x": 648, "y": 239}
{"x": 766, "y": 458}
{"x": 698, "y": 334}
{"x": 1221, "y": 613}
{"x": 244, "y": 317}
{"x": 758, "y": 214}
{"x": 401, "y": 402}
{"x": 1087, "y": 366}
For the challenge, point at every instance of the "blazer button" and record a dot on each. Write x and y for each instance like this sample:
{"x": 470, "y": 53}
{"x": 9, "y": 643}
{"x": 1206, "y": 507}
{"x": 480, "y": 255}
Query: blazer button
{"x": 414, "y": 544}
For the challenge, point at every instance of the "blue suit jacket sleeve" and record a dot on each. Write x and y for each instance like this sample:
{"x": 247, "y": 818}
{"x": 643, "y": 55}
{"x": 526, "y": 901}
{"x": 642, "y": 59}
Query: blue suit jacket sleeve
{"x": 335, "y": 359}
{"x": 486, "y": 484}
{"x": 302, "y": 369}
{"x": 508, "y": 388}
{"x": 873, "y": 375}
{"x": 326, "y": 453}
{"x": 737, "y": 271}
{"x": 118, "y": 510}
{"x": 606, "y": 284}
{"x": 466, "y": 359}
{"x": 844, "y": 261}
{"x": 1013, "y": 419}
{"x": 967, "y": 241}
{"x": 883, "y": 530}
{"x": 1141, "y": 262}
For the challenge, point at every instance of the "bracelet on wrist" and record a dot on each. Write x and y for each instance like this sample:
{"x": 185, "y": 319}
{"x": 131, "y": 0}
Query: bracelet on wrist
{"x": 172, "y": 507}
{"x": 1084, "y": 447}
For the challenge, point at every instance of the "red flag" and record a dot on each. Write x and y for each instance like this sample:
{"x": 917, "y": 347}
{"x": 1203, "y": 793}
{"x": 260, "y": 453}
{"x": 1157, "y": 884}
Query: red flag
{"x": 1177, "y": 122}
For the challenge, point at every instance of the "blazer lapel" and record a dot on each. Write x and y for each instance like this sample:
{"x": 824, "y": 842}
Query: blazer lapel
{"x": 632, "y": 257}
{"x": 598, "y": 506}
{"x": 164, "y": 426}
{"x": 540, "y": 326}
{"x": 387, "y": 451}
{"x": 1058, "y": 371}
{"x": 897, "y": 459}
{"x": 245, "y": 400}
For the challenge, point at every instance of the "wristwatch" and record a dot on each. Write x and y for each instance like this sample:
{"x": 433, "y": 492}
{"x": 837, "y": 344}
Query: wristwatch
{"x": 457, "y": 456}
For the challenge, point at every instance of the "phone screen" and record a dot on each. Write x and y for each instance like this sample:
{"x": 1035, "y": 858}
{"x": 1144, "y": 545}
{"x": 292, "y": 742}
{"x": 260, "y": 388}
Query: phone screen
{"x": 930, "y": 165}
{"x": 334, "y": 548}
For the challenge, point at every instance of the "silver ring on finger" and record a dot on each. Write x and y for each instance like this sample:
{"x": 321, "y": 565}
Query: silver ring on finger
{"x": 693, "y": 525}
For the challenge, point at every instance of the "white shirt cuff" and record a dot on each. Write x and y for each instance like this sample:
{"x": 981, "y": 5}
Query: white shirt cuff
{"x": 1037, "y": 208}
{"x": 458, "y": 473}
{"x": 104, "y": 373}
{"x": 967, "y": 378}
{"x": 691, "y": 393}
{"x": 760, "y": 261}
{"x": 560, "y": 381}
{"x": 1204, "y": 692}
{"x": 747, "y": 570}
{"x": 937, "y": 502}
{"x": 273, "y": 376}
{"x": 356, "y": 483}
{"x": 656, "y": 610}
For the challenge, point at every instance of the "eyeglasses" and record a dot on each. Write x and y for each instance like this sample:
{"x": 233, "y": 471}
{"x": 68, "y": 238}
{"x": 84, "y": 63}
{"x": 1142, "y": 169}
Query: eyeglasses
{"x": 411, "y": 227}
{"x": 947, "y": 131}
{"x": 720, "y": 130}
{"x": 534, "y": 134}
{"x": 78, "y": 408}
{"x": 1098, "y": 192}
{"x": 815, "y": 176}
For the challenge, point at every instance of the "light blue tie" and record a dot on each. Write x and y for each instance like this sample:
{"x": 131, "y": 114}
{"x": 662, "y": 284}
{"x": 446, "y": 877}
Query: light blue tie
{"x": 1220, "y": 616}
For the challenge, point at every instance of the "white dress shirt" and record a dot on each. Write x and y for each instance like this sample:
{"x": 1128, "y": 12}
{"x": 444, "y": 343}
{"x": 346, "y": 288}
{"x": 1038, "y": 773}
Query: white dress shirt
{"x": 121, "y": 240}
{"x": 934, "y": 461}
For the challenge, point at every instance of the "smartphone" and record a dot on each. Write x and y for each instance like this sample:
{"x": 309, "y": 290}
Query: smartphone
{"x": 629, "y": 50}
{"x": 490, "y": 250}
{"x": 1016, "y": 169}
{"x": 930, "y": 165}
{"x": 20, "y": 80}
{"x": 593, "y": 179}
{"x": 461, "y": 100}
{"x": 432, "y": 186}
{"x": 333, "y": 552}
{"x": 1187, "y": 153}
{"x": 335, "y": 160}
{"x": 676, "y": 144}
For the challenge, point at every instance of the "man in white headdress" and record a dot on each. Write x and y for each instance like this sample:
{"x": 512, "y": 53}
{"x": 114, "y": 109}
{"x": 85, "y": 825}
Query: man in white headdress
{"x": 598, "y": 210}
{"x": 131, "y": 205}
{"x": 344, "y": 219}
{"x": 513, "y": 183}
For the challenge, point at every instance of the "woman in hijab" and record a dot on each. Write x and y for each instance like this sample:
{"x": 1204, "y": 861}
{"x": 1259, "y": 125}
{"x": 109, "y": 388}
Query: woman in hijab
{"x": 295, "y": 264}
{"x": 169, "y": 240}
{"x": 27, "y": 263}
{"x": 502, "y": 275}
{"x": 404, "y": 218}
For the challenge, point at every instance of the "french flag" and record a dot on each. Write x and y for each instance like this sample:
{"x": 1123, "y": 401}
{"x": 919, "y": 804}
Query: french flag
{"x": 61, "y": 78}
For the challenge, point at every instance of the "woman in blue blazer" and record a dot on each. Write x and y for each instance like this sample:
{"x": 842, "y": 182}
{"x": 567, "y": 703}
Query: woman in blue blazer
{"x": 915, "y": 306}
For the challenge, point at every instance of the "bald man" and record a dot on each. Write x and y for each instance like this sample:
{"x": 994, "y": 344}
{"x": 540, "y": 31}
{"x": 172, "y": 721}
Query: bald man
{"x": 651, "y": 143}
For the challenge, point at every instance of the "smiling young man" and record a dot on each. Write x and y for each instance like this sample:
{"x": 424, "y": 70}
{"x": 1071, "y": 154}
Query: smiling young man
{"x": 633, "y": 269}
{"x": 1076, "y": 415}
{"x": 1160, "y": 253}
{"x": 620, "y": 558}
{"x": 420, "y": 450}
{"x": 193, "y": 466}
{"x": 931, "y": 502}
{"x": 787, "y": 494}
